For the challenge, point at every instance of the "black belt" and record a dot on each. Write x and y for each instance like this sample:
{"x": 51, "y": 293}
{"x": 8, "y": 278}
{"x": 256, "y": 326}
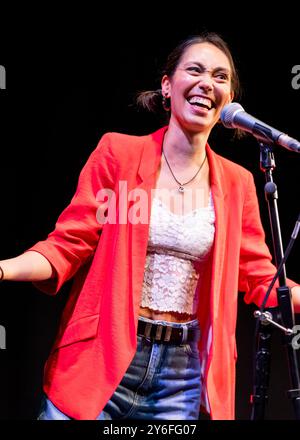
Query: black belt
{"x": 167, "y": 333}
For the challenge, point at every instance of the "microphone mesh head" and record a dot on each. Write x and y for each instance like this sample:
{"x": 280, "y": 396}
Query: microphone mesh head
{"x": 228, "y": 112}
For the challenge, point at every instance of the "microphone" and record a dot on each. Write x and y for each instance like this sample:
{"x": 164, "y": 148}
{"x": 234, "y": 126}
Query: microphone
{"x": 234, "y": 116}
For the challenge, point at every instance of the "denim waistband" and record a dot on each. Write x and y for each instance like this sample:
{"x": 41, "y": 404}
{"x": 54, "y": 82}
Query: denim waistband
{"x": 193, "y": 324}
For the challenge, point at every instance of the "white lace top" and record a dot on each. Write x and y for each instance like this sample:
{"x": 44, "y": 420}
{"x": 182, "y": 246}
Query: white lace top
{"x": 177, "y": 247}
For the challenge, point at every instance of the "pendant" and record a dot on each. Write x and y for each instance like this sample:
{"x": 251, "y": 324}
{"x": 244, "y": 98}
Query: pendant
{"x": 180, "y": 189}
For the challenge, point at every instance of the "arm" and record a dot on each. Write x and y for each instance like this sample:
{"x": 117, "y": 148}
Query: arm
{"x": 31, "y": 266}
{"x": 51, "y": 262}
{"x": 256, "y": 268}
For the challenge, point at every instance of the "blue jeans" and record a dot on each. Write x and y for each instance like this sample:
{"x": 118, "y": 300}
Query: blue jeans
{"x": 162, "y": 382}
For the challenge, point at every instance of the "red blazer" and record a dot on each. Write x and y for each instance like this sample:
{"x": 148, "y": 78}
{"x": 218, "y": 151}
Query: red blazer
{"x": 97, "y": 337}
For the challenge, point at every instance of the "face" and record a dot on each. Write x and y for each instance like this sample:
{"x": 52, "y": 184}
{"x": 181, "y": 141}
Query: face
{"x": 199, "y": 88}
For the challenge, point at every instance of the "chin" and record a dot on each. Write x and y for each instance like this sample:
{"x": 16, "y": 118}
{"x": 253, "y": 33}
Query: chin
{"x": 196, "y": 125}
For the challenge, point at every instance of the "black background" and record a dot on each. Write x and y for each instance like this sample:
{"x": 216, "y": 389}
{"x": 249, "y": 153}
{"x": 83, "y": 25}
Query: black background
{"x": 73, "y": 76}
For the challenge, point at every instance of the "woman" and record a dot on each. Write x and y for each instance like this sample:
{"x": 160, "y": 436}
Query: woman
{"x": 160, "y": 236}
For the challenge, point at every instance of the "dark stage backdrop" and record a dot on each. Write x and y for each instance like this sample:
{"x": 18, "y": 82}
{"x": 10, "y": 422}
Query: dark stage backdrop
{"x": 66, "y": 85}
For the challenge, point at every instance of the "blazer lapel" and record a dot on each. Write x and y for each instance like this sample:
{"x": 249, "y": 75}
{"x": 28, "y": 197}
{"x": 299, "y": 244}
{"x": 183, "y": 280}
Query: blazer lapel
{"x": 218, "y": 187}
{"x": 151, "y": 154}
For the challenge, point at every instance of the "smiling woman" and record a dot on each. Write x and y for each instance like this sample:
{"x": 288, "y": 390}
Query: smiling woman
{"x": 152, "y": 311}
{"x": 199, "y": 88}
{"x": 185, "y": 58}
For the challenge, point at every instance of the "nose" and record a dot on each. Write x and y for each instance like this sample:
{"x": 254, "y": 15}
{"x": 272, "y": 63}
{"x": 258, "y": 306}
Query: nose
{"x": 206, "y": 81}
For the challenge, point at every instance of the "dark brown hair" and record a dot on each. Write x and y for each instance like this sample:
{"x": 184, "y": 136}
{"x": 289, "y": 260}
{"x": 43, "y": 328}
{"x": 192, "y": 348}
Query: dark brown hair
{"x": 152, "y": 99}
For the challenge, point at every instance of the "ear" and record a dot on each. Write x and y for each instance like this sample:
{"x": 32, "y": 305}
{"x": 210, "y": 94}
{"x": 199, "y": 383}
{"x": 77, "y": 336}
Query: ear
{"x": 166, "y": 86}
{"x": 230, "y": 99}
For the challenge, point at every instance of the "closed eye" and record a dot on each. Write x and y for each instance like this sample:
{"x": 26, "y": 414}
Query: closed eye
{"x": 194, "y": 69}
{"x": 220, "y": 75}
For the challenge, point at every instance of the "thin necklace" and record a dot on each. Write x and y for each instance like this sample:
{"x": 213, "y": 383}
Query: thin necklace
{"x": 181, "y": 188}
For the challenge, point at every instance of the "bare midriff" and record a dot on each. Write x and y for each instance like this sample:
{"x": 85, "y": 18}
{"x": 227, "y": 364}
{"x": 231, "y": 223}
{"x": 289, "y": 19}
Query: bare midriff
{"x": 166, "y": 316}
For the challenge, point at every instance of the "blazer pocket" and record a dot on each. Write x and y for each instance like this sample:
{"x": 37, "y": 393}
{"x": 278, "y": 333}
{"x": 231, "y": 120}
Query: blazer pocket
{"x": 79, "y": 330}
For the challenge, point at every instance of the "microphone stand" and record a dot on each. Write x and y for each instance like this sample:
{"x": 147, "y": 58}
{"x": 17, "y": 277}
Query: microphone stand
{"x": 285, "y": 313}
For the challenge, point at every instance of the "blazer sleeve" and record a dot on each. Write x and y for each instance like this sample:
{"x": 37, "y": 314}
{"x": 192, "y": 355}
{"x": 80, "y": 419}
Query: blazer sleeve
{"x": 77, "y": 231}
{"x": 255, "y": 268}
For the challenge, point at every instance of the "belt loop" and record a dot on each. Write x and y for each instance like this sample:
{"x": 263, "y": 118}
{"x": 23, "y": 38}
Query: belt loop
{"x": 148, "y": 329}
{"x": 184, "y": 334}
{"x": 168, "y": 333}
{"x": 158, "y": 333}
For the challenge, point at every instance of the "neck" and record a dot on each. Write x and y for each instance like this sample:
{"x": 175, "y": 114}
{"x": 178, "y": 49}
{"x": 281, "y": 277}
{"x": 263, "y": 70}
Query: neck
{"x": 184, "y": 148}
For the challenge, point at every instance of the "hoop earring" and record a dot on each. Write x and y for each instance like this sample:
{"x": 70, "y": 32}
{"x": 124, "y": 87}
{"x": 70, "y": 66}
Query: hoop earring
{"x": 166, "y": 103}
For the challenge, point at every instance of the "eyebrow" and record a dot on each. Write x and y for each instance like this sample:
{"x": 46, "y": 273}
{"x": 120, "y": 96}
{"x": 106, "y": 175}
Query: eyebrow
{"x": 216, "y": 69}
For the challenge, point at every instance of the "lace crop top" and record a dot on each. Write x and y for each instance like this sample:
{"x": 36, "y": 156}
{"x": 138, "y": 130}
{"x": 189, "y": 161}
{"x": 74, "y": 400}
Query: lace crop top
{"x": 177, "y": 248}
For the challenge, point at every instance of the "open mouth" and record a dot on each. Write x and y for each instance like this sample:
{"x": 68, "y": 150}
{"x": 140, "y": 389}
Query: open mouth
{"x": 200, "y": 101}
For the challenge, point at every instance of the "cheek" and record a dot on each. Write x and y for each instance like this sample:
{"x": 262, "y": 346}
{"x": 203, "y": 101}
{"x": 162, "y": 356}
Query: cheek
{"x": 178, "y": 98}
{"x": 181, "y": 86}
{"x": 223, "y": 95}
{"x": 179, "y": 91}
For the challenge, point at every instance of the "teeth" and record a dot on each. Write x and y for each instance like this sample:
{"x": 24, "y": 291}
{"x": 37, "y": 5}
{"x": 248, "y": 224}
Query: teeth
{"x": 200, "y": 101}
